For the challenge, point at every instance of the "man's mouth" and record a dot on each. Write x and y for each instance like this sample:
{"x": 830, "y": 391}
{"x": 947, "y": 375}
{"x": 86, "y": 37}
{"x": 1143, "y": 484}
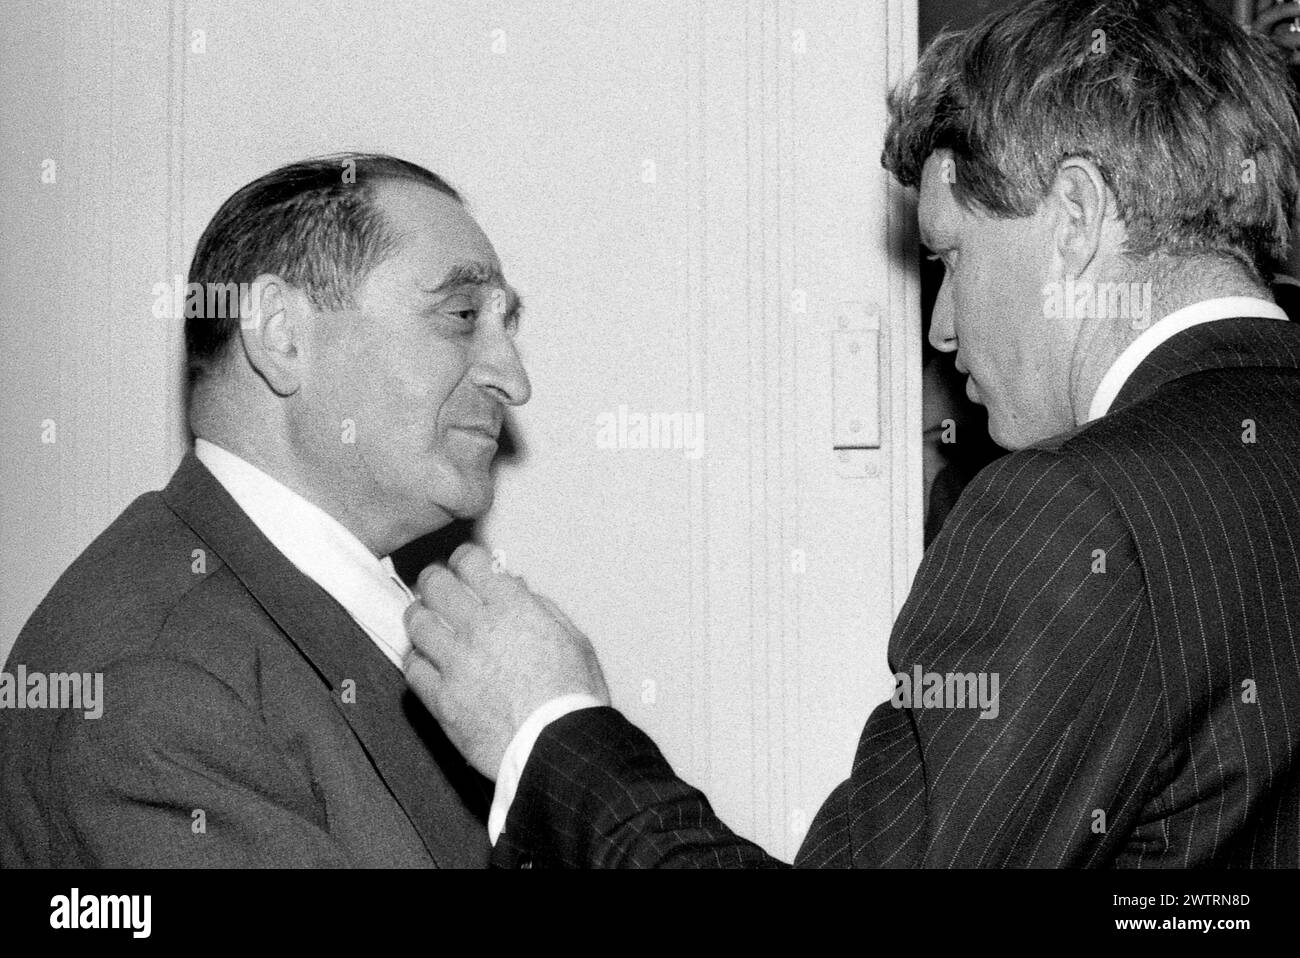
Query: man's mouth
{"x": 484, "y": 432}
{"x": 972, "y": 391}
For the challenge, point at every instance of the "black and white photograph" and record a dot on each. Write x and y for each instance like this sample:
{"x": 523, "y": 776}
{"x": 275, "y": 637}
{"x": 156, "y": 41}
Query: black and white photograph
{"x": 514, "y": 435}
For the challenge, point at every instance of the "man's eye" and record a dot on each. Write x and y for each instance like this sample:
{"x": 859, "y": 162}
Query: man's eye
{"x": 460, "y": 308}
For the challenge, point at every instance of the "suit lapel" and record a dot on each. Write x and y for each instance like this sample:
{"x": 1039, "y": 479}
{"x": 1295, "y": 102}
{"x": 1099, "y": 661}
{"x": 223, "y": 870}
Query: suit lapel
{"x": 404, "y": 744}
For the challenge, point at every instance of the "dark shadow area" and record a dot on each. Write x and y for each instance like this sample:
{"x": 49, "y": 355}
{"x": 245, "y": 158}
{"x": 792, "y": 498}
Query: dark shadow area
{"x": 955, "y": 443}
{"x": 435, "y": 547}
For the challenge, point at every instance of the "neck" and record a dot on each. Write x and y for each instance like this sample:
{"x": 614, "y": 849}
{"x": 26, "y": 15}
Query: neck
{"x": 217, "y": 416}
{"x": 1099, "y": 342}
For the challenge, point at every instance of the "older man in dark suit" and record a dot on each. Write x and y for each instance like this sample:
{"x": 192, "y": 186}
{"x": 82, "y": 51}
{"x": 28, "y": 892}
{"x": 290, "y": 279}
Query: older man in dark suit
{"x": 1106, "y": 184}
{"x": 350, "y": 342}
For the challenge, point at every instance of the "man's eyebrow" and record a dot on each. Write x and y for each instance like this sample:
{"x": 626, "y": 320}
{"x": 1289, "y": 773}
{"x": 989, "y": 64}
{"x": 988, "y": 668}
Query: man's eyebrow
{"x": 479, "y": 274}
{"x": 467, "y": 274}
{"x": 514, "y": 305}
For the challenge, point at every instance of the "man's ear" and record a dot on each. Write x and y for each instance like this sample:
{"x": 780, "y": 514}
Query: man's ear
{"x": 272, "y": 325}
{"x": 1083, "y": 204}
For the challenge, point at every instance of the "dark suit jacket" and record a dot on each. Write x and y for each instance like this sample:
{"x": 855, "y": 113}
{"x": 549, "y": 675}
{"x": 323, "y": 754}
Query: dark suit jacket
{"x": 248, "y": 720}
{"x": 1149, "y": 706}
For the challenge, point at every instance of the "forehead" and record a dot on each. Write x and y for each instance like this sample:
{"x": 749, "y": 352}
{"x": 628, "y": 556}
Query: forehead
{"x": 938, "y": 214}
{"x": 436, "y": 232}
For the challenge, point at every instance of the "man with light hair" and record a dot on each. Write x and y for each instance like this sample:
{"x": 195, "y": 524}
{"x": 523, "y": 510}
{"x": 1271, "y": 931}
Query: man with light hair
{"x": 1130, "y": 571}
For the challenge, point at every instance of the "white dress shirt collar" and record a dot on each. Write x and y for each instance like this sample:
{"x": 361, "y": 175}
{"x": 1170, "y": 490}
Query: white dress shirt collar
{"x": 1206, "y": 311}
{"x": 320, "y": 546}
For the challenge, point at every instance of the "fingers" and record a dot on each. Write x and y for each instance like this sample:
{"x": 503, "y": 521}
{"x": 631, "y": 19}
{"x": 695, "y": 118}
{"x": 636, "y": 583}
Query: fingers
{"x": 474, "y": 566}
{"x": 425, "y": 679}
{"x": 429, "y": 634}
{"x": 444, "y": 593}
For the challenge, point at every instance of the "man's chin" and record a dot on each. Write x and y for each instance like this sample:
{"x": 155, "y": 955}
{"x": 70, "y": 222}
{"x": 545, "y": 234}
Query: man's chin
{"x": 1010, "y": 436}
{"x": 1008, "y": 443}
{"x": 1021, "y": 435}
{"x": 473, "y": 501}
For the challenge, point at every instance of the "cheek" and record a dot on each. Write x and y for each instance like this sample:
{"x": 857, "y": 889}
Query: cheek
{"x": 975, "y": 305}
{"x": 417, "y": 396}
{"x": 432, "y": 384}
{"x": 1003, "y": 318}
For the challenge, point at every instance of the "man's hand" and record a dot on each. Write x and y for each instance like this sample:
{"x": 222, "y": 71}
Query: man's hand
{"x": 487, "y": 652}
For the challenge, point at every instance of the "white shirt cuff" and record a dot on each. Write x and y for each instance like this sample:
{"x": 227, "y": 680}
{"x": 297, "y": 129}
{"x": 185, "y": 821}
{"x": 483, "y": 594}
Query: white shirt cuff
{"x": 521, "y": 746}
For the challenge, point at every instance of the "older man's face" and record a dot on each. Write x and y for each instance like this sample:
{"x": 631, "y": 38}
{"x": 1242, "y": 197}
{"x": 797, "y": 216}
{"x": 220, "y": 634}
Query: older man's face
{"x": 407, "y": 392}
{"x": 990, "y": 311}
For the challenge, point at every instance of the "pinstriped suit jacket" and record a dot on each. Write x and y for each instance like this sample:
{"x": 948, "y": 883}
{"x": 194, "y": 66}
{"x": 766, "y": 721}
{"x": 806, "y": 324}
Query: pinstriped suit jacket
{"x": 1135, "y": 584}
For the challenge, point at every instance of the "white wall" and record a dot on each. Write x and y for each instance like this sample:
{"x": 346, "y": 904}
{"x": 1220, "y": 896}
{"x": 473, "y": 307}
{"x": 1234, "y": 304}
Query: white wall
{"x": 85, "y": 232}
{"x": 684, "y": 192}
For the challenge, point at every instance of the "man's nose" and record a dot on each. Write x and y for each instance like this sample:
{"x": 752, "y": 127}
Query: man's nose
{"x": 943, "y": 336}
{"x": 500, "y": 371}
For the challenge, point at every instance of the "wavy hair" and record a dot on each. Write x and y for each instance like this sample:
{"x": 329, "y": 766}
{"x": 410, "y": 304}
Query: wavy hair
{"x": 1191, "y": 120}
